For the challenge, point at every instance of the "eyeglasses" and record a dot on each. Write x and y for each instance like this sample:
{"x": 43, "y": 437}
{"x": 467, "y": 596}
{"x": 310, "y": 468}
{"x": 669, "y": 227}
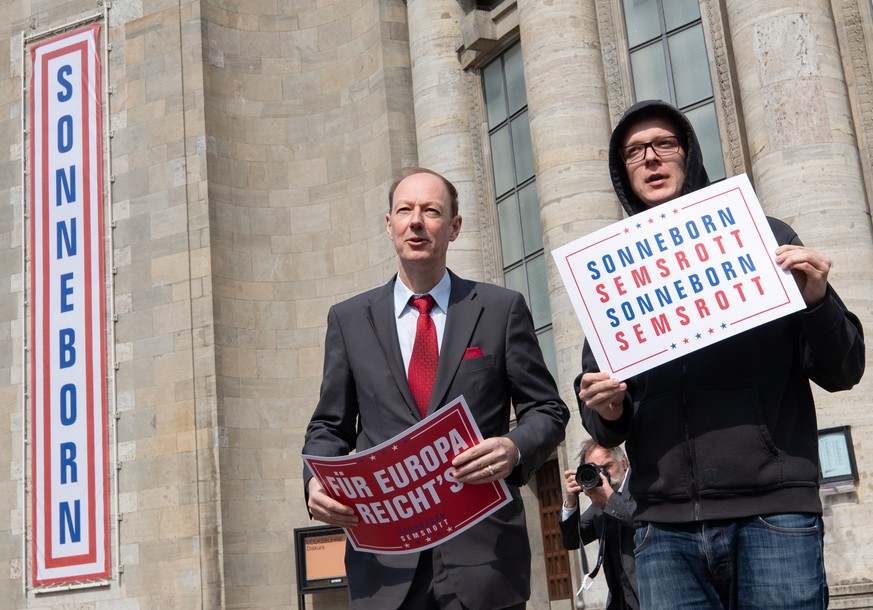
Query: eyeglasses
{"x": 663, "y": 147}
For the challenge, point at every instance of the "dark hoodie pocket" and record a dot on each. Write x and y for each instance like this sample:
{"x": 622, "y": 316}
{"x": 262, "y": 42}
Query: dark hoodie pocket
{"x": 661, "y": 463}
{"x": 732, "y": 446}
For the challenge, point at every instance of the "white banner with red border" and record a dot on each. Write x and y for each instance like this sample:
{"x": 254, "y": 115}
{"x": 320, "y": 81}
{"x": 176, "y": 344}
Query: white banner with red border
{"x": 677, "y": 278}
{"x": 68, "y": 327}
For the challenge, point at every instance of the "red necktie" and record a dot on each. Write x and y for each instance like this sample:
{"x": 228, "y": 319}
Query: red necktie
{"x": 425, "y": 354}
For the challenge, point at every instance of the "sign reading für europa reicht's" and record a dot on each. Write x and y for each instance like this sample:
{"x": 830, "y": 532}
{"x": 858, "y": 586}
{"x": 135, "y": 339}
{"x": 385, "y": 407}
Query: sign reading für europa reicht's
{"x": 404, "y": 492}
{"x": 676, "y": 278}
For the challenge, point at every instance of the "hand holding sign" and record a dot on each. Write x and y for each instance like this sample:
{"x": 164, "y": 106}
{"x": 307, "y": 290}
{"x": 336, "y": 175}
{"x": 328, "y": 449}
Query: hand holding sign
{"x": 405, "y": 495}
{"x": 604, "y": 394}
{"x": 326, "y": 509}
{"x": 491, "y": 460}
{"x": 810, "y": 269}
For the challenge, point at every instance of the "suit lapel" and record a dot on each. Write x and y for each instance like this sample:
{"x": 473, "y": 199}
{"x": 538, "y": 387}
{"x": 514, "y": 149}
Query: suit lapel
{"x": 461, "y": 320}
{"x": 381, "y": 314}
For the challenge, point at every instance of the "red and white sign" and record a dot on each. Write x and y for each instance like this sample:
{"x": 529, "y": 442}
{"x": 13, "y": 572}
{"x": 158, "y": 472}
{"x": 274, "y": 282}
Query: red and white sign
{"x": 69, "y": 490}
{"x": 676, "y": 278}
{"x": 403, "y": 490}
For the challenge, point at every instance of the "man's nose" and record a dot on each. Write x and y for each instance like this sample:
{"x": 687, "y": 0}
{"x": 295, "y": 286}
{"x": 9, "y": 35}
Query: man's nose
{"x": 650, "y": 147}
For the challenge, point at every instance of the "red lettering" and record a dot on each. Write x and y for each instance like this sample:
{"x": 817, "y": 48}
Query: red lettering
{"x": 622, "y": 343}
{"x": 601, "y": 290}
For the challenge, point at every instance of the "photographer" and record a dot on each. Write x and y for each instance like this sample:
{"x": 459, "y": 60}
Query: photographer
{"x": 601, "y": 476}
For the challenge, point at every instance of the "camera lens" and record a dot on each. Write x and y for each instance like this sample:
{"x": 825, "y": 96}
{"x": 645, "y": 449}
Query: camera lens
{"x": 588, "y": 476}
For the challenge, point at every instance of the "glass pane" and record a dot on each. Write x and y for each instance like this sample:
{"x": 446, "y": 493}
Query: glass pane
{"x": 501, "y": 161}
{"x": 530, "y": 218}
{"x": 515, "y": 280}
{"x": 515, "y": 79}
{"x": 641, "y": 20}
{"x": 539, "y": 291}
{"x": 690, "y": 67}
{"x": 510, "y": 231}
{"x": 547, "y": 344}
{"x": 649, "y": 71}
{"x": 495, "y": 101}
{"x": 706, "y": 126}
{"x": 680, "y": 12}
{"x": 522, "y": 148}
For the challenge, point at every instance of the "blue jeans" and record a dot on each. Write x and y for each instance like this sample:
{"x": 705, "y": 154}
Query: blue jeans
{"x": 767, "y": 563}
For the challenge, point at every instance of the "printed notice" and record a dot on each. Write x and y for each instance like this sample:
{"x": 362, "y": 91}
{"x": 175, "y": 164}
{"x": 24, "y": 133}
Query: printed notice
{"x": 676, "y": 278}
{"x": 404, "y": 492}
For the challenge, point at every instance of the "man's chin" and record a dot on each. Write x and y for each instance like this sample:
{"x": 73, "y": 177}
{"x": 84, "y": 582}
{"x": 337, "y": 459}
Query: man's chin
{"x": 653, "y": 200}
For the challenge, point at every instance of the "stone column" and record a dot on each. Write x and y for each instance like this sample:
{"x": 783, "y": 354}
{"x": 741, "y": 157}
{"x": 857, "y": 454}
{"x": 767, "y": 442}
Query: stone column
{"x": 443, "y": 97}
{"x": 804, "y": 155}
{"x": 570, "y": 129}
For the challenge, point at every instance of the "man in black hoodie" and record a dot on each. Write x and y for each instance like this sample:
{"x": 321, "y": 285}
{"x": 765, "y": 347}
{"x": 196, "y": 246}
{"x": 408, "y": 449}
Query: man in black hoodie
{"x": 723, "y": 442}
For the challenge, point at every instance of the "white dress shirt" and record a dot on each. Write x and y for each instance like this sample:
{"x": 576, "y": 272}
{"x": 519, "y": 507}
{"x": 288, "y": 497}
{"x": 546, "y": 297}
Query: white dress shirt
{"x": 406, "y": 315}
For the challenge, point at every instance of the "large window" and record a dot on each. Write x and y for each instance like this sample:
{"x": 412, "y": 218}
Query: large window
{"x": 518, "y": 208}
{"x": 668, "y": 61}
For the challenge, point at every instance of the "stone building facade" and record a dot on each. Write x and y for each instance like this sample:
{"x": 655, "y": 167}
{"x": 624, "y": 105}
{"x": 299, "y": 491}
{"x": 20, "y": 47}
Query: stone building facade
{"x": 249, "y": 146}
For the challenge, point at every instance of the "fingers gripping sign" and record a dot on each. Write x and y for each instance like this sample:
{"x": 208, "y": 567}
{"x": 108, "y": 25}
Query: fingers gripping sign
{"x": 491, "y": 460}
{"x": 810, "y": 269}
{"x": 326, "y": 509}
{"x": 603, "y": 394}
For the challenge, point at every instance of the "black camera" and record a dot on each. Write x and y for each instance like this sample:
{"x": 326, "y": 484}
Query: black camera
{"x": 588, "y": 475}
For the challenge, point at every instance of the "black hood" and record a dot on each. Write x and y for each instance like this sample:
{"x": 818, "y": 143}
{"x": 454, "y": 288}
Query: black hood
{"x": 695, "y": 173}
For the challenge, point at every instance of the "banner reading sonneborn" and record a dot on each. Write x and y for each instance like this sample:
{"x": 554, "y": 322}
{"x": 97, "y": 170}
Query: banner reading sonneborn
{"x": 403, "y": 490}
{"x": 69, "y": 489}
{"x": 676, "y": 278}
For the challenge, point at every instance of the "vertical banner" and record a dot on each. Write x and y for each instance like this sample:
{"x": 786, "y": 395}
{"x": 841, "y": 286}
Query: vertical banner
{"x": 69, "y": 471}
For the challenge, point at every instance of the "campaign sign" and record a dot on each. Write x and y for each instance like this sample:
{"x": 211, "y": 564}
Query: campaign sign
{"x": 676, "y": 278}
{"x": 69, "y": 489}
{"x": 403, "y": 490}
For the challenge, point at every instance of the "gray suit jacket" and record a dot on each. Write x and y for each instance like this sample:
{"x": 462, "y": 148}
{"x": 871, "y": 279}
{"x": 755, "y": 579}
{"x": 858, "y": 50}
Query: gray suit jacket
{"x": 365, "y": 400}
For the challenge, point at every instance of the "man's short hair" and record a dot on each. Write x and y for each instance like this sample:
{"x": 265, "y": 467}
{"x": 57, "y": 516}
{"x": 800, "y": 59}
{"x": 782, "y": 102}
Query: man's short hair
{"x": 655, "y": 112}
{"x": 406, "y": 172}
{"x": 589, "y": 445}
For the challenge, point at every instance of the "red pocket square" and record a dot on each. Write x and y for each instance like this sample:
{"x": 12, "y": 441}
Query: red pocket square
{"x": 473, "y": 352}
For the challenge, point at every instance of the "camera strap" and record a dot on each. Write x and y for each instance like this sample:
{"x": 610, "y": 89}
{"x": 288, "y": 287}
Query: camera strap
{"x": 589, "y": 577}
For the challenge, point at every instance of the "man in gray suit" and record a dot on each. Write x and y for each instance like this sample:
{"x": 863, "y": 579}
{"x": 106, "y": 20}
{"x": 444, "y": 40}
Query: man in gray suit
{"x": 488, "y": 352}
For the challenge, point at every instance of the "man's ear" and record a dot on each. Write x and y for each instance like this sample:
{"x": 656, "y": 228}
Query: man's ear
{"x": 456, "y": 227}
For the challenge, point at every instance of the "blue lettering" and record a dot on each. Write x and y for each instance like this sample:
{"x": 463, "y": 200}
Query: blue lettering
{"x": 663, "y": 295}
{"x": 66, "y": 92}
{"x": 70, "y": 521}
{"x": 592, "y": 267}
{"x": 65, "y": 186}
{"x": 65, "y": 133}
{"x": 625, "y": 256}
{"x": 68, "y": 463}
{"x": 66, "y": 291}
{"x": 66, "y": 339}
{"x": 692, "y": 229}
{"x": 66, "y": 239}
{"x": 68, "y": 408}
{"x": 712, "y": 276}
{"x": 645, "y": 304}
{"x": 726, "y": 216}
{"x": 644, "y": 249}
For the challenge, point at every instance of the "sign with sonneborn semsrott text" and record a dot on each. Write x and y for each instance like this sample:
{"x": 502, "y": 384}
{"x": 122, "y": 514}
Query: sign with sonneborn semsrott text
{"x": 676, "y": 278}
